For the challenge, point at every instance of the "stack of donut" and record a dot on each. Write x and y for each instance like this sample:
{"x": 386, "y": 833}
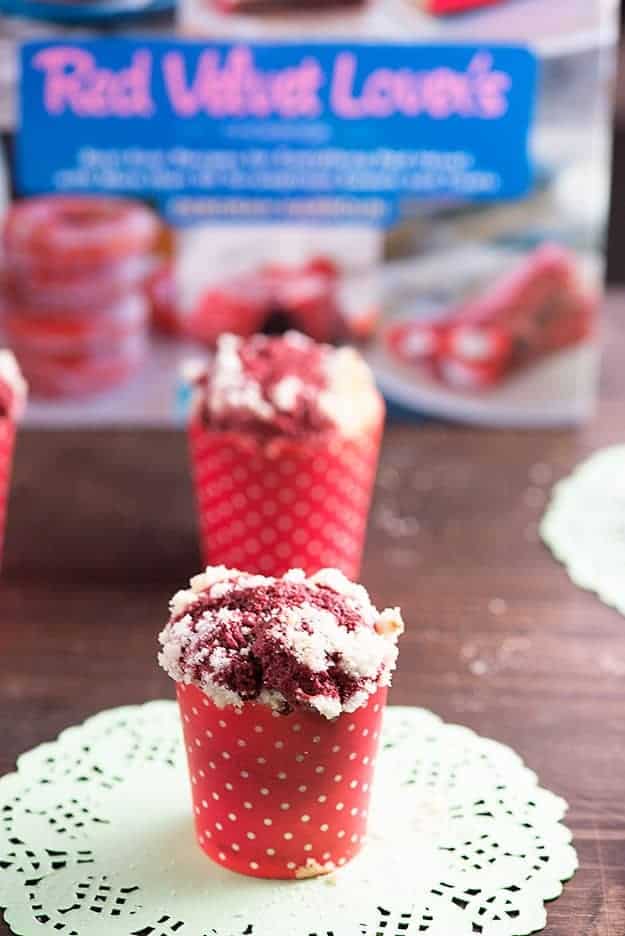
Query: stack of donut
{"x": 75, "y": 310}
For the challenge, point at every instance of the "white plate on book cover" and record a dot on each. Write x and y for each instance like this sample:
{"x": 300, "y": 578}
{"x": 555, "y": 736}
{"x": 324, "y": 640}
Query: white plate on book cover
{"x": 554, "y": 391}
{"x": 558, "y": 389}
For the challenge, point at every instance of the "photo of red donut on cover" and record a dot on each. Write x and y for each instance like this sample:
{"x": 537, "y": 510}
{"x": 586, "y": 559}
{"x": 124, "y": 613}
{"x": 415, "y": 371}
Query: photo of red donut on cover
{"x": 75, "y": 310}
{"x": 537, "y": 308}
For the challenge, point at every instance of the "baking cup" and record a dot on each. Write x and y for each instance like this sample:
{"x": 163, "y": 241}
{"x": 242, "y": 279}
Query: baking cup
{"x": 7, "y": 438}
{"x": 270, "y": 507}
{"x": 279, "y": 796}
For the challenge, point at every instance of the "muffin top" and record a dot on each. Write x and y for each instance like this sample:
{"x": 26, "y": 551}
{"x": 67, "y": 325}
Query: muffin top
{"x": 12, "y": 387}
{"x": 292, "y": 642}
{"x": 284, "y": 386}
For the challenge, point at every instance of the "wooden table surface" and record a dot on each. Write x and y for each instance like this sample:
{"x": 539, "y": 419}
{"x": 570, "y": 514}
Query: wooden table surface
{"x": 102, "y": 531}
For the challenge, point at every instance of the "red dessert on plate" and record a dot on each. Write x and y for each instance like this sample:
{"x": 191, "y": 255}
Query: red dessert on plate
{"x": 540, "y": 307}
{"x": 281, "y": 686}
{"x": 239, "y": 306}
{"x": 12, "y": 403}
{"x": 285, "y": 435}
{"x": 272, "y": 299}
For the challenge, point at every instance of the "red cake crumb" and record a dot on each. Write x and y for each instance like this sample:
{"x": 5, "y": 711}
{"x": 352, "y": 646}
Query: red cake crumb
{"x": 317, "y": 642}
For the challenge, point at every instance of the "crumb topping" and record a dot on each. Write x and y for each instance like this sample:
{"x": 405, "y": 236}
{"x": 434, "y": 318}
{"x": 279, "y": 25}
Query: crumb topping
{"x": 291, "y": 642}
{"x": 286, "y": 385}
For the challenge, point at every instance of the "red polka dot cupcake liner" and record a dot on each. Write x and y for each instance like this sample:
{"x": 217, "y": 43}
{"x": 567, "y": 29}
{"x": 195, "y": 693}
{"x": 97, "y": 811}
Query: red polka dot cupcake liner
{"x": 7, "y": 437}
{"x": 271, "y": 507}
{"x": 279, "y": 796}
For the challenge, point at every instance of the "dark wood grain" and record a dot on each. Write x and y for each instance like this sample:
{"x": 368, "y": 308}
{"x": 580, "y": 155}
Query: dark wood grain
{"x": 102, "y": 531}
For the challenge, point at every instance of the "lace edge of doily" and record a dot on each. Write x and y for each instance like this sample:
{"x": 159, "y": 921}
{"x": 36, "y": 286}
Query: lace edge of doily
{"x": 575, "y": 567}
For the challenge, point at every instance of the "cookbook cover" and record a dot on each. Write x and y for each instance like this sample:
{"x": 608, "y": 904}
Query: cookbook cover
{"x": 428, "y": 181}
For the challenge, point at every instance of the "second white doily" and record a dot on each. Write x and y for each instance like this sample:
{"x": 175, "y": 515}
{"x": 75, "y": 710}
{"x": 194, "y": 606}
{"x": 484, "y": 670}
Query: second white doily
{"x": 584, "y": 525}
{"x": 96, "y": 839}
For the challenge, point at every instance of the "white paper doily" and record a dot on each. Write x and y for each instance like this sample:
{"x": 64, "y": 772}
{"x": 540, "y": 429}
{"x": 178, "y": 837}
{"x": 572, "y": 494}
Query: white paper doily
{"x": 97, "y": 840}
{"x": 584, "y": 525}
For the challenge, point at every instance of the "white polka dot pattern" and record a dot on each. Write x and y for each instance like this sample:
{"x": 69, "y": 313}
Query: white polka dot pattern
{"x": 269, "y": 809}
{"x": 293, "y": 504}
{"x": 7, "y": 435}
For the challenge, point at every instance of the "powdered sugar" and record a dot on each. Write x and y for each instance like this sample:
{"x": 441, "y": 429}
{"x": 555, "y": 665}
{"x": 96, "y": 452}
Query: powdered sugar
{"x": 221, "y": 695}
{"x": 13, "y": 388}
{"x": 286, "y": 392}
{"x": 472, "y": 344}
{"x": 316, "y": 642}
{"x": 215, "y": 580}
{"x": 349, "y": 399}
{"x": 356, "y": 595}
{"x": 230, "y": 386}
{"x": 328, "y": 706}
{"x": 316, "y": 637}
